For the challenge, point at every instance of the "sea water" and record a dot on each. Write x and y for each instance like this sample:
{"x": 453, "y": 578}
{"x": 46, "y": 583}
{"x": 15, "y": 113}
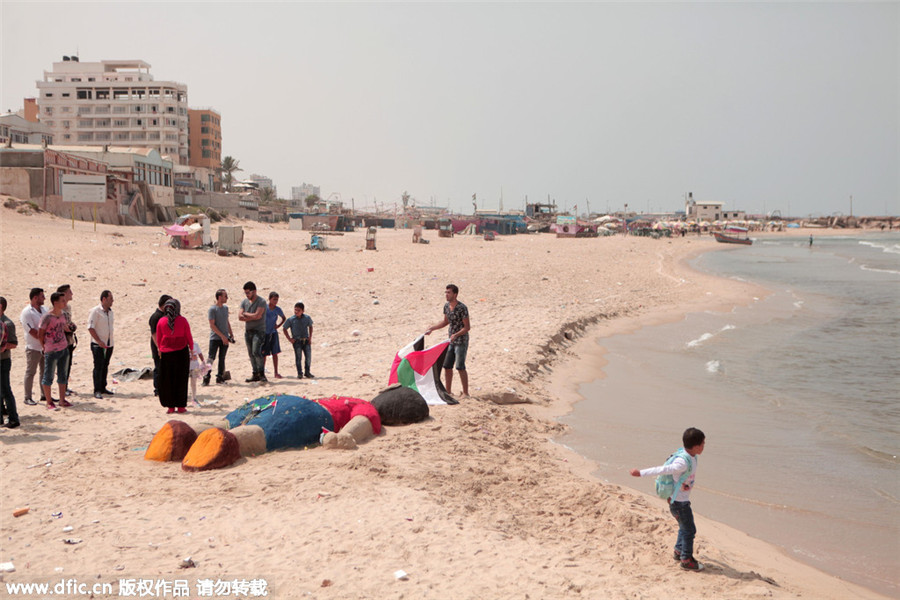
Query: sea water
{"x": 798, "y": 394}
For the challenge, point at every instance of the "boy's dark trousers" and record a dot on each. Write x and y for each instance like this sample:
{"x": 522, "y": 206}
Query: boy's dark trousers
{"x": 302, "y": 347}
{"x": 686, "y": 529}
{"x": 101, "y": 366}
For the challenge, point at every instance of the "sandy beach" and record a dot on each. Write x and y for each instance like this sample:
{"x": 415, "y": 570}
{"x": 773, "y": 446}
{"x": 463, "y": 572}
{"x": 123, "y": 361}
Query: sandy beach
{"x": 475, "y": 502}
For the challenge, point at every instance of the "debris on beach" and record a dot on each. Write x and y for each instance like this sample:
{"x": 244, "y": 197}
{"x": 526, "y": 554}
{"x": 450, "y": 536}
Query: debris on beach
{"x": 21, "y": 511}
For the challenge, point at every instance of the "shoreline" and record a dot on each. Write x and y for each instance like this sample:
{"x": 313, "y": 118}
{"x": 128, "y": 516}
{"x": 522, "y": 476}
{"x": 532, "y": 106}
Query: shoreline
{"x": 478, "y": 489}
{"x": 587, "y": 363}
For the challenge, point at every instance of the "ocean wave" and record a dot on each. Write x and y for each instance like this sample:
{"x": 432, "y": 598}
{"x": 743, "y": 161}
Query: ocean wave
{"x": 891, "y": 271}
{"x": 707, "y": 336}
{"x": 889, "y": 248}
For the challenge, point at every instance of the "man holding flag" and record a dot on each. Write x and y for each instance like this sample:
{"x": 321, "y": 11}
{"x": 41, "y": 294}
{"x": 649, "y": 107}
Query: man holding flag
{"x": 456, "y": 314}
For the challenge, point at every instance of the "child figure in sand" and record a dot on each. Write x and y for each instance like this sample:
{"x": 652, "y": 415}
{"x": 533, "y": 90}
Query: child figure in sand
{"x": 199, "y": 370}
{"x": 680, "y": 502}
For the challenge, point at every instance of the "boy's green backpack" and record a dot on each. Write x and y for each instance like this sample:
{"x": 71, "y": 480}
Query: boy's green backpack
{"x": 666, "y": 487}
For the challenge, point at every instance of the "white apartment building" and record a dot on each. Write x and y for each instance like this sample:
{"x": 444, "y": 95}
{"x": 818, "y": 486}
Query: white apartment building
{"x": 262, "y": 181}
{"x": 302, "y": 192}
{"x": 115, "y": 103}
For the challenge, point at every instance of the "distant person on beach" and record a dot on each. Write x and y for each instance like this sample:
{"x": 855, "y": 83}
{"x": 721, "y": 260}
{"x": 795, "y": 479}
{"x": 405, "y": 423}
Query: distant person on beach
{"x": 274, "y": 321}
{"x": 154, "y": 321}
{"x": 682, "y": 468}
{"x": 8, "y": 341}
{"x": 456, "y": 314}
{"x": 100, "y": 326}
{"x": 174, "y": 340}
{"x": 220, "y": 335}
{"x": 52, "y": 335}
{"x": 810, "y": 240}
{"x": 253, "y": 315}
{"x": 298, "y": 330}
{"x": 71, "y": 338}
{"x": 34, "y": 351}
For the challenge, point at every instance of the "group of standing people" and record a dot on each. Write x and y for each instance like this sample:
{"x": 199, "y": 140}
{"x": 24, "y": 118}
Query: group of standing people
{"x": 173, "y": 347}
{"x": 50, "y": 341}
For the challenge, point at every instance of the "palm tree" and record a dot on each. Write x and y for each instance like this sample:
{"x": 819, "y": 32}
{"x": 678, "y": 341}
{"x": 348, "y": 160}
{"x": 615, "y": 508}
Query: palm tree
{"x": 267, "y": 195}
{"x": 229, "y": 166}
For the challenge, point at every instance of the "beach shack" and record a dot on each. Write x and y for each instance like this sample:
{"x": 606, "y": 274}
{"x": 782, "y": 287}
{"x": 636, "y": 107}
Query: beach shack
{"x": 566, "y": 226}
{"x": 445, "y": 227}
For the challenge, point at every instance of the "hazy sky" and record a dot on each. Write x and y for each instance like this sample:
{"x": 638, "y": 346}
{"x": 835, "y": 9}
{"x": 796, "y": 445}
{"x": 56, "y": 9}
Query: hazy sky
{"x": 763, "y": 106}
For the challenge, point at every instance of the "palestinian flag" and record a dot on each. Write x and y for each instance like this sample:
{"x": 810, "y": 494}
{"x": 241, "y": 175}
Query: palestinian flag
{"x": 419, "y": 369}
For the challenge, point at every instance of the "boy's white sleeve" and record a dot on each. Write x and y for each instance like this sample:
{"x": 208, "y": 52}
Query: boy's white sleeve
{"x": 676, "y": 467}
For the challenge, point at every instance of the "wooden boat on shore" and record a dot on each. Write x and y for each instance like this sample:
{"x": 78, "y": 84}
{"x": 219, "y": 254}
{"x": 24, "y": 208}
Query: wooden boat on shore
{"x": 733, "y": 235}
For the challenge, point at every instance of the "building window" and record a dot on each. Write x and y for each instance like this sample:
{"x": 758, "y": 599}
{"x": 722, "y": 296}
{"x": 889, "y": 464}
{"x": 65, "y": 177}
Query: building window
{"x": 48, "y": 95}
{"x": 207, "y": 154}
{"x": 204, "y": 130}
{"x": 66, "y": 94}
{"x": 84, "y": 94}
{"x": 204, "y": 142}
{"x": 204, "y": 118}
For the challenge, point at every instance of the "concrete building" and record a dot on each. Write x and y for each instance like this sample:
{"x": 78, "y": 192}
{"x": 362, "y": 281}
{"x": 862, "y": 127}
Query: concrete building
{"x": 262, "y": 181}
{"x": 115, "y": 103}
{"x": 22, "y": 131}
{"x": 299, "y": 193}
{"x": 139, "y": 181}
{"x": 205, "y": 136}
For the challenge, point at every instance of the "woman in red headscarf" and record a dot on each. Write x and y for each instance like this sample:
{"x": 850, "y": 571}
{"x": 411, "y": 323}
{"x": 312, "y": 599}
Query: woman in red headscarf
{"x": 174, "y": 340}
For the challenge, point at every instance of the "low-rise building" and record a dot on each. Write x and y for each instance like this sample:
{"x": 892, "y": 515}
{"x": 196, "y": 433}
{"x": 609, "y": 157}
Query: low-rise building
{"x": 139, "y": 181}
{"x": 20, "y": 130}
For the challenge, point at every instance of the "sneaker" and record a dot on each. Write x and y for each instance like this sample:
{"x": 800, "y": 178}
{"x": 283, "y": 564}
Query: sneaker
{"x": 70, "y": 393}
{"x": 677, "y": 555}
{"x": 181, "y": 409}
{"x": 252, "y": 379}
{"x": 206, "y": 380}
{"x": 98, "y": 396}
{"x": 262, "y": 379}
{"x": 309, "y": 375}
{"x": 12, "y": 424}
{"x": 170, "y": 410}
{"x": 299, "y": 375}
{"x": 691, "y": 565}
{"x": 51, "y": 406}
{"x": 107, "y": 392}
{"x": 277, "y": 376}
{"x": 30, "y": 402}
{"x": 65, "y": 403}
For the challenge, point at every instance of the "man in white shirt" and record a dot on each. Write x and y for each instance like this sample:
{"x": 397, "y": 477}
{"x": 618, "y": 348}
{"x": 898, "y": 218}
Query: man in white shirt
{"x": 34, "y": 351}
{"x": 100, "y": 326}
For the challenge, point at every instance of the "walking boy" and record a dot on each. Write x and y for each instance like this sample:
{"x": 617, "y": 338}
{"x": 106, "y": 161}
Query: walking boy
{"x": 56, "y": 350}
{"x": 683, "y": 469}
{"x": 298, "y": 329}
{"x": 220, "y": 334}
{"x": 456, "y": 314}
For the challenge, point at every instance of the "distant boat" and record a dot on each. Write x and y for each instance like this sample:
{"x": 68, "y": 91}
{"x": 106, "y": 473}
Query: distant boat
{"x": 733, "y": 235}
